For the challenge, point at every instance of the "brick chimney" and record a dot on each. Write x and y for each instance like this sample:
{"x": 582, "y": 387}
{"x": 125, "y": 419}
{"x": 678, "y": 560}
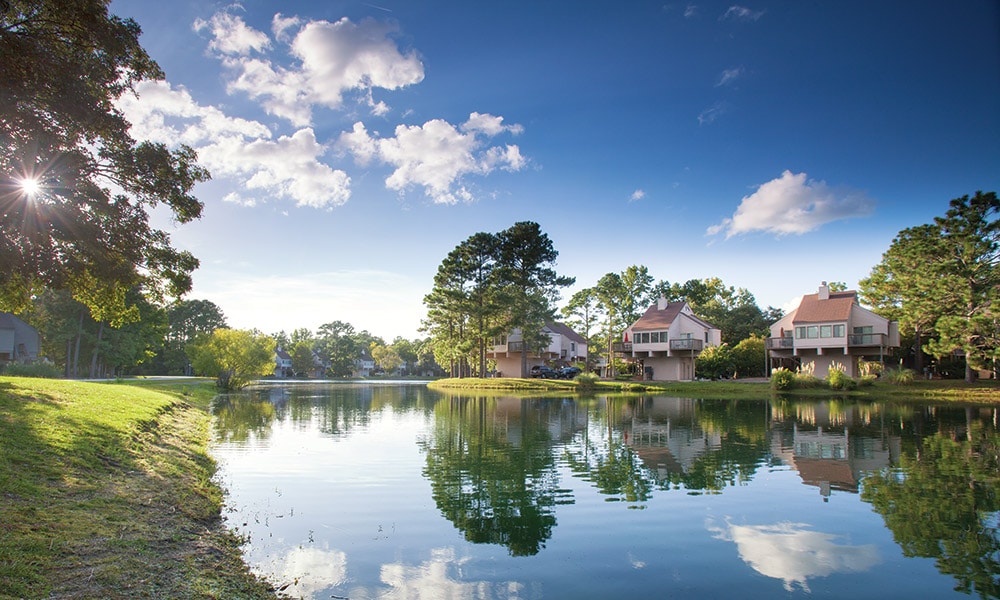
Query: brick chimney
{"x": 824, "y": 291}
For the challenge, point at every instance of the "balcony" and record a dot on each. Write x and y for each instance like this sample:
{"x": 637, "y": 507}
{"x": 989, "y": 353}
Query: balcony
{"x": 878, "y": 340}
{"x": 687, "y": 344}
{"x": 513, "y": 347}
{"x": 780, "y": 343}
{"x": 621, "y": 347}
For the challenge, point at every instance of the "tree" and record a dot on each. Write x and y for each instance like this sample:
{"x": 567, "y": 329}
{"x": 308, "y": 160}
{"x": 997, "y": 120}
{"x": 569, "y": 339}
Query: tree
{"x": 336, "y": 342}
{"x": 582, "y": 313}
{"x": 733, "y": 310}
{"x": 186, "y": 320}
{"x": 303, "y": 360}
{"x": 386, "y": 357}
{"x": 945, "y": 276}
{"x": 235, "y": 357}
{"x": 64, "y": 147}
{"x": 529, "y": 283}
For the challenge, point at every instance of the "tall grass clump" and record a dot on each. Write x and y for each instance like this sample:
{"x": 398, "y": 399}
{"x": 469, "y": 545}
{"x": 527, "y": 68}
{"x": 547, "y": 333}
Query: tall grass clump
{"x": 782, "y": 380}
{"x": 899, "y": 376}
{"x": 805, "y": 378}
{"x": 586, "y": 382}
{"x": 838, "y": 379}
{"x": 43, "y": 370}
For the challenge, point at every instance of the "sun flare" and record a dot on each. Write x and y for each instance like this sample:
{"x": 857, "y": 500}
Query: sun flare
{"x": 30, "y": 186}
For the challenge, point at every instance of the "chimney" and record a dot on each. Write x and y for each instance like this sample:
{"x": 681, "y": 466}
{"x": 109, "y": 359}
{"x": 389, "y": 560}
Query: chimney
{"x": 661, "y": 304}
{"x": 824, "y": 291}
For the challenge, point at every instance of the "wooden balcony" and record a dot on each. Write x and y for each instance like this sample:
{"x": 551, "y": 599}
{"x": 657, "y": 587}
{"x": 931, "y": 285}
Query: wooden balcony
{"x": 687, "y": 344}
{"x": 780, "y": 343}
{"x": 876, "y": 340}
{"x": 621, "y": 347}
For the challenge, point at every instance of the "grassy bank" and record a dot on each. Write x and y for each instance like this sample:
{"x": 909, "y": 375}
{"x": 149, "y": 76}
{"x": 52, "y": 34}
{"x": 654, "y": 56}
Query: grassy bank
{"x": 107, "y": 493}
{"x": 986, "y": 391}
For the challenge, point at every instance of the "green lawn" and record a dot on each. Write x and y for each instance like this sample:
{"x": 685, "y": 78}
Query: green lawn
{"x": 107, "y": 493}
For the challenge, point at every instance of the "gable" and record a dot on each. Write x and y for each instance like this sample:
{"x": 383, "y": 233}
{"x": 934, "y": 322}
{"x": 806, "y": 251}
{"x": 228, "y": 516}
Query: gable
{"x": 836, "y": 308}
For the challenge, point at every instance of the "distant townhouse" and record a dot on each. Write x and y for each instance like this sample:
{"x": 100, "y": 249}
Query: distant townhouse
{"x": 283, "y": 364}
{"x": 19, "y": 342}
{"x": 364, "y": 365}
{"x": 831, "y": 328}
{"x": 666, "y": 340}
{"x": 565, "y": 348}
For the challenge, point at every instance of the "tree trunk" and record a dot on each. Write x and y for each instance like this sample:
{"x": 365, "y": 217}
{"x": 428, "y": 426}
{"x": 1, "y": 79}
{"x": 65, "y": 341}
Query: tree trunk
{"x": 76, "y": 352}
{"x": 97, "y": 351}
{"x": 918, "y": 347}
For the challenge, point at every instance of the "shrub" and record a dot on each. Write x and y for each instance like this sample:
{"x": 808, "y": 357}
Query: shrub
{"x": 42, "y": 370}
{"x": 838, "y": 380}
{"x": 586, "y": 381}
{"x": 899, "y": 376}
{"x": 867, "y": 380}
{"x": 782, "y": 380}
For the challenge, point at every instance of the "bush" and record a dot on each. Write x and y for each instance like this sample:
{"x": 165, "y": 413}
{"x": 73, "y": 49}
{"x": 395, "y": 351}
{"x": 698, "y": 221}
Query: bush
{"x": 838, "y": 380}
{"x": 867, "y": 380}
{"x": 586, "y": 381}
{"x": 807, "y": 380}
{"x": 782, "y": 380}
{"x": 41, "y": 370}
{"x": 899, "y": 376}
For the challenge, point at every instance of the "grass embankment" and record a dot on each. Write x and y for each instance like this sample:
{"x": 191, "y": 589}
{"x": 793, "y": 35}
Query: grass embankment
{"x": 107, "y": 493}
{"x": 985, "y": 391}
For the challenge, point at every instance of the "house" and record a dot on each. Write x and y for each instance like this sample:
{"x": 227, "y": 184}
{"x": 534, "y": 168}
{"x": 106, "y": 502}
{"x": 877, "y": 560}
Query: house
{"x": 565, "y": 347}
{"x": 364, "y": 365}
{"x": 283, "y": 364}
{"x": 19, "y": 342}
{"x": 830, "y": 328}
{"x": 665, "y": 341}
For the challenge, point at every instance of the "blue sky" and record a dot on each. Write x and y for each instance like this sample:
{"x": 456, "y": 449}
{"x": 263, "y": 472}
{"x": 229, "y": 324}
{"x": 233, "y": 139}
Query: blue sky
{"x": 354, "y": 144}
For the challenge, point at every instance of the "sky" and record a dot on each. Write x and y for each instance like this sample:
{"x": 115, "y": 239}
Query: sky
{"x": 352, "y": 144}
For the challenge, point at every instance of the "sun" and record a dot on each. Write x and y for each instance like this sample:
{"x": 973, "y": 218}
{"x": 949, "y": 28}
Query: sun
{"x": 30, "y": 186}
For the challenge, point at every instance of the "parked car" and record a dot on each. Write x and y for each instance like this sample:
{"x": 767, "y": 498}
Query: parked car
{"x": 569, "y": 372}
{"x": 544, "y": 372}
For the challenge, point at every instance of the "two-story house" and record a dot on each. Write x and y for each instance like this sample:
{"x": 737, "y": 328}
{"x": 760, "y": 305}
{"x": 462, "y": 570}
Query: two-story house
{"x": 565, "y": 347}
{"x": 666, "y": 340}
{"x": 283, "y": 364}
{"x": 831, "y": 328}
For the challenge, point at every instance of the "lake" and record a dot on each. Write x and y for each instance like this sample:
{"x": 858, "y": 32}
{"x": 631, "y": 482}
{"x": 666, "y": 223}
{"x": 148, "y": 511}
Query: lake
{"x": 391, "y": 490}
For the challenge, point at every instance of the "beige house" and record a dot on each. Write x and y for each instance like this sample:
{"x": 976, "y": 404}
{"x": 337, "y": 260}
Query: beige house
{"x": 666, "y": 340}
{"x": 565, "y": 348}
{"x": 19, "y": 342}
{"x": 830, "y": 328}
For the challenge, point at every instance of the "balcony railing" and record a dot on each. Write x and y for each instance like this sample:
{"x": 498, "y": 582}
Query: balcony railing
{"x": 515, "y": 346}
{"x": 621, "y": 346}
{"x": 687, "y": 344}
{"x": 868, "y": 339}
{"x": 780, "y": 343}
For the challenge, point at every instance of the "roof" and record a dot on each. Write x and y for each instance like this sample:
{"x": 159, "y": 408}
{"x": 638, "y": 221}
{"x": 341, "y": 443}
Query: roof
{"x": 836, "y": 308}
{"x": 654, "y": 318}
{"x": 566, "y": 332}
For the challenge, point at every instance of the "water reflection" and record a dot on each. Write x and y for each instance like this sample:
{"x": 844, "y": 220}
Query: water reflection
{"x": 792, "y": 553}
{"x": 371, "y": 491}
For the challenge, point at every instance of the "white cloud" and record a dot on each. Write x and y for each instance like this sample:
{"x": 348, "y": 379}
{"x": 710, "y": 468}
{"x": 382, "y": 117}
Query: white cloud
{"x": 792, "y": 553}
{"x": 690, "y": 11}
{"x": 437, "y": 155}
{"x": 741, "y": 13}
{"x": 729, "y": 75}
{"x": 231, "y": 35}
{"x": 329, "y": 60}
{"x": 241, "y": 149}
{"x": 637, "y": 195}
{"x": 793, "y": 204}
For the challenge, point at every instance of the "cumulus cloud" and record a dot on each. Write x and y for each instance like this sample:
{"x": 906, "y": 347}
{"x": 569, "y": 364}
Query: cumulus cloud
{"x": 241, "y": 149}
{"x": 637, "y": 195}
{"x": 328, "y": 60}
{"x": 792, "y": 553}
{"x": 741, "y": 13}
{"x": 437, "y": 155}
{"x": 793, "y": 204}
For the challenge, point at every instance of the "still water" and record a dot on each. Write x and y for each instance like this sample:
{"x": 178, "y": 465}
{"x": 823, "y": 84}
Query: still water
{"x": 396, "y": 491}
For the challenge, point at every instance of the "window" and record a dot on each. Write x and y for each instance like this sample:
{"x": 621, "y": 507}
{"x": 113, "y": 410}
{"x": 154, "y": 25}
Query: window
{"x": 812, "y": 332}
{"x": 825, "y": 331}
{"x": 863, "y": 330}
{"x": 572, "y": 346}
{"x": 800, "y": 332}
{"x": 838, "y": 331}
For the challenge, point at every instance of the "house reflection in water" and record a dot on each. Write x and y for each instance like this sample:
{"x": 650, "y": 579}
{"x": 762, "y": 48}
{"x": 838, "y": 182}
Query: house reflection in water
{"x": 710, "y": 445}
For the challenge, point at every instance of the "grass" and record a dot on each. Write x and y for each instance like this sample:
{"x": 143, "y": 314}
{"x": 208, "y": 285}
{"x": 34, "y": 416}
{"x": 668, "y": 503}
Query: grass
{"x": 984, "y": 391}
{"x": 107, "y": 493}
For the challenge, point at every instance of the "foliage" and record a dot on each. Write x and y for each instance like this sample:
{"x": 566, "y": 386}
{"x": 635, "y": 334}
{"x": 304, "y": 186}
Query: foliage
{"x": 234, "y": 357}
{"x": 186, "y": 319}
{"x": 38, "y": 369}
{"x": 586, "y": 382}
{"x": 899, "y": 376}
{"x": 942, "y": 278}
{"x": 733, "y": 310}
{"x": 837, "y": 379}
{"x": 65, "y": 62}
{"x": 715, "y": 362}
{"x": 782, "y": 380}
{"x": 303, "y": 360}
